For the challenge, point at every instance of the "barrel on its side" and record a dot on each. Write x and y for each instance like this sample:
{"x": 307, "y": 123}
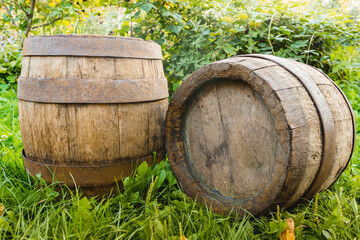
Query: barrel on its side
{"x": 256, "y": 131}
{"x": 91, "y": 108}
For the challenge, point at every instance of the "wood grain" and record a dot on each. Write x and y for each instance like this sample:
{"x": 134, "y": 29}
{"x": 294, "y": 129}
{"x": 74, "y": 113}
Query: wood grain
{"x": 212, "y": 134}
{"x": 244, "y": 133}
{"x": 89, "y": 134}
{"x": 92, "y": 134}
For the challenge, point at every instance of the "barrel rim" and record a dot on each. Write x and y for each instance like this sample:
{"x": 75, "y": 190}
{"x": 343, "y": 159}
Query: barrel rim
{"x": 89, "y": 45}
{"x": 193, "y": 186}
{"x": 88, "y": 36}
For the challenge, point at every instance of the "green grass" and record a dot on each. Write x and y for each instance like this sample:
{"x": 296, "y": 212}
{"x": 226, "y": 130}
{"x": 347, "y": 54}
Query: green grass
{"x": 152, "y": 205}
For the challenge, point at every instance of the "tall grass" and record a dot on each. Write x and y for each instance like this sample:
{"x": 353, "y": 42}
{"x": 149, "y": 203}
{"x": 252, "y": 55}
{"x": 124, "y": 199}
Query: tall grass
{"x": 152, "y": 206}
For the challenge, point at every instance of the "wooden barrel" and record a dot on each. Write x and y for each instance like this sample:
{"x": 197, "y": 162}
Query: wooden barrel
{"x": 252, "y": 132}
{"x": 91, "y": 107}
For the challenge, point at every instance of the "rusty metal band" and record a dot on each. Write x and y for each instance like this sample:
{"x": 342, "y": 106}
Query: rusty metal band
{"x": 53, "y": 90}
{"x": 351, "y": 113}
{"x": 91, "y": 46}
{"x": 325, "y": 115}
{"x": 87, "y": 176}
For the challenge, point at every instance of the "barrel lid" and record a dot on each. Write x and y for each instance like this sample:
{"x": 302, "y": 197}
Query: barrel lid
{"x": 91, "y": 46}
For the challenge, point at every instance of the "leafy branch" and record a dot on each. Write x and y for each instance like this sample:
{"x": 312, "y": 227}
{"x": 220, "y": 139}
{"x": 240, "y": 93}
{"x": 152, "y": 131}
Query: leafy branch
{"x": 49, "y": 23}
{"x": 29, "y": 15}
{"x": 29, "y": 18}
{"x": 10, "y": 15}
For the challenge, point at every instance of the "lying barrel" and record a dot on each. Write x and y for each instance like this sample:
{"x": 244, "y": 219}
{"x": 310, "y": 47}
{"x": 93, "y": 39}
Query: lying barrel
{"x": 91, "y": 108}
{"x": 252, "y": 132}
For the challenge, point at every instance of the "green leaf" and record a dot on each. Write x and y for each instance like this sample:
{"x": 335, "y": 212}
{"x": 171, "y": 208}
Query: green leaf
{"x": 3, "y": 87}
{"x": 11, "y": 78}
{"x": 85, "y": 204}
{"x": 277, "y": 227}
{"x": 174, "y": 28}
{"x": 336, "y": 68}
{"x": 5, "y": 17}
{"x": 230, "y": 49}
{"x": 160, "y": 180}
{"x": 206, "y": 32}
{"x": 134, "y": 196}
{"x": 273, "y": 227}
{"x": 227, "y": 19}
{"x": 142, "y": 169}
{"x": 127, "y": 182}
{"x": 12, "y": 216}
{"x": 147, "y": 7}
{"x": 4, "y": 225}
{"x": 326, "y": 234}
{"x": 170, "y": 177}
{"x": 166, "y": 13}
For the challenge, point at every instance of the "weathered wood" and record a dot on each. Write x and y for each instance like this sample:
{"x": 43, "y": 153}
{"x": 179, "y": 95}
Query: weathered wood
{"x": 245, "y": 132}
{"x": 76, "y": 80}
{"x": 88, "y": 134}
{"x": 93, "y": 136}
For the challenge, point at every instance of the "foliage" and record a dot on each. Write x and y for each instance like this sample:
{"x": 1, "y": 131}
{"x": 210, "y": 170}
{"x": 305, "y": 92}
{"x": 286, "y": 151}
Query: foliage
{"x": 10, "y": 63}
{"x": 47, "y": 17}
{"x": 195, "y": 33}
{"x": 40, "y": 16}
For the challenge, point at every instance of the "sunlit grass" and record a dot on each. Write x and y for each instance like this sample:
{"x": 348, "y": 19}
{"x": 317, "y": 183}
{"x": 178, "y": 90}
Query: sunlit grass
{"x": 152, "y": 206}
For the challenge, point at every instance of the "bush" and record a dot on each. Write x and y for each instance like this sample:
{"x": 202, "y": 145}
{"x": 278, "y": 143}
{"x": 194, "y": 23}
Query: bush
{"x": 195, "y": 33}
{"x": 10, "y": 63}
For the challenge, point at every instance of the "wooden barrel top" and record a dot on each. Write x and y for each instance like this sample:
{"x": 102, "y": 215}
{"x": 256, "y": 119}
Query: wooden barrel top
{"x": 91, "y": 69}
{"x": 91, "y": 46}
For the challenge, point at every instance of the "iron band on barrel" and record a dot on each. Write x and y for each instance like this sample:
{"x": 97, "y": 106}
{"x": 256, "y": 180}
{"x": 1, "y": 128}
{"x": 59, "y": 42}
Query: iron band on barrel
{"x": 86, "y": 176}
{"x": 91, "y": 90}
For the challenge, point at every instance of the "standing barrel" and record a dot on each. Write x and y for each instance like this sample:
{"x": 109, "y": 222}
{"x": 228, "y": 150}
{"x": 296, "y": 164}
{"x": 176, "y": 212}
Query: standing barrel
{"x": 91, "y": 108}
{"x": 252, "y": 132}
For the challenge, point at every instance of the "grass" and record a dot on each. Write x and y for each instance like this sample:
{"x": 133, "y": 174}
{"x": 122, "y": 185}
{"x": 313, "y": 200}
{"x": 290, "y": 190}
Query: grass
{"x": 152, "y": 205}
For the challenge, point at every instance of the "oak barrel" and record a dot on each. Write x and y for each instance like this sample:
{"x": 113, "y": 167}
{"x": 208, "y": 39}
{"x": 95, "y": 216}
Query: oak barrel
{"x": 252, "y": 132}
{"x": 91, "y": 107}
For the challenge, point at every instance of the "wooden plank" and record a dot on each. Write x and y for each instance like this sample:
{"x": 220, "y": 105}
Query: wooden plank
{"x": 206, "y": 135}
{"x": 343, "y": 134}
{"x": 230, "y": 143}
{"x": 134, "y": 130}
{"x": 90, "y": 68}
{"x": 129, "y": 68}
{"x": 157, "y": 115}
{"x": 25, "y": 66}
{"x": 252, "y": 141}
{"x": 47, "y": 67}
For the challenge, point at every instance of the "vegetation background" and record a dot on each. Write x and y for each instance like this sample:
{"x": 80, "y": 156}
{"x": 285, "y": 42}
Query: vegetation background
{"x": 192, "y": 33}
